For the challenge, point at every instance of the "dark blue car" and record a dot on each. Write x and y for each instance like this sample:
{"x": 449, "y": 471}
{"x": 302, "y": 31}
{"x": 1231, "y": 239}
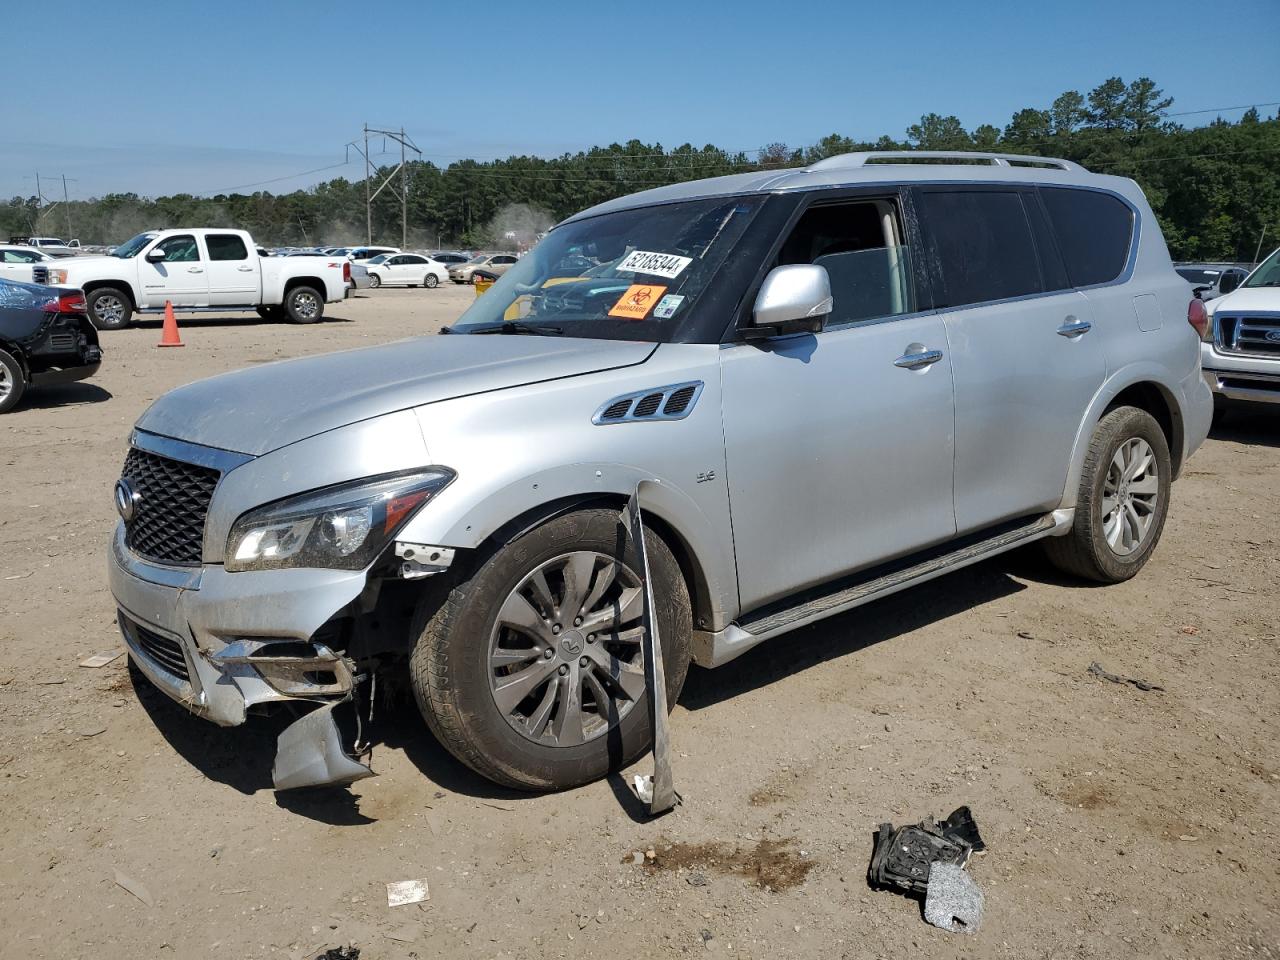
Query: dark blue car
{"x": 45, "y": 337}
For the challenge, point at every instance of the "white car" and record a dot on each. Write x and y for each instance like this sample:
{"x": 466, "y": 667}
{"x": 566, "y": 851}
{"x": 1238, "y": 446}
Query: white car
{"x": 199, "y": 269}
{"x": 406, "y": 270}
{"x": 16, "y": 262}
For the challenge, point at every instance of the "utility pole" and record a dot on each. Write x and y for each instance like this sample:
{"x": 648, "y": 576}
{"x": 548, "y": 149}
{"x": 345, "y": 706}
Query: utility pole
{"x": 66, "y": 203}
{"x": 406, "y": 144}
{"x": 1258, "y": 253}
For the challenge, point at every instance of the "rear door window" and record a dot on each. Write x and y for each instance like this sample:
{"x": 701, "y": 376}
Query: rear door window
{"x": 982, "y": 244}
{"x": 226, "y": 246}
{"x": 1094, "y": 231}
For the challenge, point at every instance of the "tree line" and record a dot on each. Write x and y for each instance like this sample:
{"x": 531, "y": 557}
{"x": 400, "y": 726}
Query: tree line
{"x": 1214, "y": 187}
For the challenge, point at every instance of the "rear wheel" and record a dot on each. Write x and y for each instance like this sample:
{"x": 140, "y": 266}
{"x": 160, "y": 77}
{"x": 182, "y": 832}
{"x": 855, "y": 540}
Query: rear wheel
{"x": 1122, "y": 502}
{"x": 303, "y": 305}
{"x": 13, "y": 381}
{"x": 110, "y": 308}
{"x": 430, "y": 281}
{"x": 531, "y": 670}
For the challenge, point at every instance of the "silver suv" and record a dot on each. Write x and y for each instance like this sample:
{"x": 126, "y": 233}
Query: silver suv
{"x": 830, "y": 383}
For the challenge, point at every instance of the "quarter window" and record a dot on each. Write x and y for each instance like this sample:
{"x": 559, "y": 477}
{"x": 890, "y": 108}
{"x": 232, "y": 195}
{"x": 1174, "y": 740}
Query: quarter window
{"x": 180, "y": 249}
{"x": 1094, "y": 231}
{"x": 226, "y": 246}
{"x": 983, "y": 244}
{"x": 862, "y": 247}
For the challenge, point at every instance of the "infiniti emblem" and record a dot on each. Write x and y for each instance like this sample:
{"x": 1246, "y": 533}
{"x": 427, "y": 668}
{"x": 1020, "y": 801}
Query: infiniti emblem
{"x": 1273, "y": 336}
{"x": 571, "y": 643}
{"x": 126, "y": 500}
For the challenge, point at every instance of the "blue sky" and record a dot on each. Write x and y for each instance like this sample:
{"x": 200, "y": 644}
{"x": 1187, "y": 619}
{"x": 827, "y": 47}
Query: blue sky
{"x": 202, "y": 96}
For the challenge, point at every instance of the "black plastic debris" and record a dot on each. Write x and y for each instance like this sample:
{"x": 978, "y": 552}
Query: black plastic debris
{"x": 349, "y": 952}
{"x": 1097, "y": 670}
{"x": 904, "y": 856}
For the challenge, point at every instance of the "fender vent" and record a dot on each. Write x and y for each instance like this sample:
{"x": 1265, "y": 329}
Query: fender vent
{"x": 674, "y": 402}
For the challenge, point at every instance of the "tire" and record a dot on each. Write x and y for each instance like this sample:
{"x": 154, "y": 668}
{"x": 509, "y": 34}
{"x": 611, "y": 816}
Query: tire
{"x": 431, "y": 281}
{"x": 13, "y": 381}
{"x": 271, "y": 312}
{"x": 454, "y": 674}
{"x": 1221, "y": 409}
{"x": 303, "y": 305}
{"x": 1096, "y": 549}
{"x": 473, "y": 279}
{"x": 110, "y": 308}
{"x": 375, "y": 281}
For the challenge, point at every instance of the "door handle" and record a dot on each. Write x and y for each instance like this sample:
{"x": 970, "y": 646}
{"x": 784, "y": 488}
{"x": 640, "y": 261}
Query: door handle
{"x": 195, "y": 270}
{"x": 1071, "y": 327}
{"x": 245, "y": 269}
{"x": 924, "y": 358}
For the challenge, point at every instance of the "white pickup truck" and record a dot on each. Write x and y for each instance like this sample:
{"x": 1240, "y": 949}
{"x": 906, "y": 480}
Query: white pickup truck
{"x": 202, "y": 269}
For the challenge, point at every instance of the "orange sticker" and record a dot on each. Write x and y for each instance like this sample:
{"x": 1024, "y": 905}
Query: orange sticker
{"x": 636, "y": 303}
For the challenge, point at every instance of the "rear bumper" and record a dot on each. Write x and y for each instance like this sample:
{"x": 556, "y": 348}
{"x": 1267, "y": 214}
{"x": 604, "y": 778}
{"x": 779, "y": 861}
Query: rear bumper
{"x": 173, "y": 618}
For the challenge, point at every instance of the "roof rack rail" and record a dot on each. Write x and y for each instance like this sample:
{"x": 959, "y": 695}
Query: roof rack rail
{"x": 874, "y": 157}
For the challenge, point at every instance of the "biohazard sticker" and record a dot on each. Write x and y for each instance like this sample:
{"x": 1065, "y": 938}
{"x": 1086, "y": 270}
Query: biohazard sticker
{"x": 667, "y": 306}
{"x": 656, "y": 264}
{"x": 636, "y": 303}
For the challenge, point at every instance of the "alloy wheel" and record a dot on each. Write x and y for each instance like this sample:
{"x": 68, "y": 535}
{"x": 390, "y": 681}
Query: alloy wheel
{"x": 305, "y": 305}
{"x": 565, "y": 660}
{"x": 1130, "y": 496}
{"x": 6, "y": 383}
{"x": 109, "y": 309}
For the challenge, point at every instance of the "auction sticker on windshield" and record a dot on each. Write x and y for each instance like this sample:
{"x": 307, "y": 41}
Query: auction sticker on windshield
{"x": 666, "y": 307}
{"x": 656, "y": 264}
{"x": 636, "y": 303}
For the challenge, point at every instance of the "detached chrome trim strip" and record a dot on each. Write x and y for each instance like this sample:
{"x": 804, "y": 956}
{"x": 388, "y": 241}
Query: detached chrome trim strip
{"x": 213, "y": 457}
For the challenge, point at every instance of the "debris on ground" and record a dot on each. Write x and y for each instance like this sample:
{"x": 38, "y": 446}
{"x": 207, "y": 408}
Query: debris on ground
{"x": 406, "y": 934}
{"x": 1096, "y": 669}
{"x": 952, "y": 900}
{"x": 403, "y": 892}
{"x": 101, "y": 659}
{"x": 928, "y": 860}
{"x": 138, "y": 889}
{"x": 348, "y": 952}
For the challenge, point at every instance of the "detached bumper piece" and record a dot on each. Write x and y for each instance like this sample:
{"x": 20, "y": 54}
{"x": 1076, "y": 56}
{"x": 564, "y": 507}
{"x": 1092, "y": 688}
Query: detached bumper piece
{"x": 903, "y": 856}
{"x": 309, "y": 753}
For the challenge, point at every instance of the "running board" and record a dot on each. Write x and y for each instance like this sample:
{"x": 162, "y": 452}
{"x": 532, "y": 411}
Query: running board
{"x": 715, "y": 649}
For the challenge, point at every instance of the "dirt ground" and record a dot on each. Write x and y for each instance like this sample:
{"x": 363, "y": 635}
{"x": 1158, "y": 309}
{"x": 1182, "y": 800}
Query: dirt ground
{"x": 1120, "y": 823}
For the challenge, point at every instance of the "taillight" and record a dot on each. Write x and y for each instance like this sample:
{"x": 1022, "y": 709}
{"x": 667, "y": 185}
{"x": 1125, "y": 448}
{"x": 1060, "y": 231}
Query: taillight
{"x": 67, "y": 303}
{"x": 1198, "y": 317}
{"x": 346, "y": 271}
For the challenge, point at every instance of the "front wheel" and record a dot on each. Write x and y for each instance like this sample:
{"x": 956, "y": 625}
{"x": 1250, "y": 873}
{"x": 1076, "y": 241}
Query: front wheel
{"x": 375, "y": 281}
{"x": 531, "y": 671}
{"x": 303, "y": 305}
{"x": 1122, "y": 502}
{"x": 13, "y": 381}
{"x": 430, "y": 281}
{"x": 109, "y": 308}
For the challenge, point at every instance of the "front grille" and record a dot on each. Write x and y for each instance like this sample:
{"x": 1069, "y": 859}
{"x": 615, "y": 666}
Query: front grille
{"x": 40, "y": 274}
{"x": 165, "y": 651}
{"x": 1257, "y": 336}
{"x": 171, "y": 500}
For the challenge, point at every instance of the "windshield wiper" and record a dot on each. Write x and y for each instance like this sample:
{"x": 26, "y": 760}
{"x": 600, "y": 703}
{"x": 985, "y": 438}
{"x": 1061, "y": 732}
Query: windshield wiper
{"x": 519, "y": 326}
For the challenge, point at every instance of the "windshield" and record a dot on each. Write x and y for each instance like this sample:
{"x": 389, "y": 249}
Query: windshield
{"x": 631, "y": 275}
{"x": 1198, "y": 277}
{"x": 131, "y": 248}
{"x": 1267, "y": 274}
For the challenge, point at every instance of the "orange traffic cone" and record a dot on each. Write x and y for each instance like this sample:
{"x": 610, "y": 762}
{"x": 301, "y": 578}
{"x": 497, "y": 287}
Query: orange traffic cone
{"x": 170, "y": 338}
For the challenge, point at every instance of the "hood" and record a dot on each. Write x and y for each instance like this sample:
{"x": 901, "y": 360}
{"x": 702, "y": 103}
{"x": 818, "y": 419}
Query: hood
{"x": 74, "y": 263}
{"x": 264, "y": 408}
{"x": 1246, "y": 298}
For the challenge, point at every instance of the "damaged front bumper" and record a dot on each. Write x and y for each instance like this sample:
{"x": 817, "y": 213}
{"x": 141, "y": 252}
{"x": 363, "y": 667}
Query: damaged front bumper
{"x": 222, "y": 643}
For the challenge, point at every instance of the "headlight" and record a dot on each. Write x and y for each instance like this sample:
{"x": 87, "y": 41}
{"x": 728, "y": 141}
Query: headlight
{"x": 343, "y": 527}
{"x": 57, "y": 276}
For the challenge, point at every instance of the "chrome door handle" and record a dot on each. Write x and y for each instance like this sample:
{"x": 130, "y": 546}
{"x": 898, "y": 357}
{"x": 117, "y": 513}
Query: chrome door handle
{"x": 1071, "y": 327}
{"x": 923, "y": 359}
{"x": 195, "y": 270}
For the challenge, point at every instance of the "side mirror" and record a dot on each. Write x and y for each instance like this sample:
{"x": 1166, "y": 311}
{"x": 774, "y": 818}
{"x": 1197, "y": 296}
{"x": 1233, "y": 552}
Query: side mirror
{"x": 794, "y": 298}
{"x": 155, "y": 255}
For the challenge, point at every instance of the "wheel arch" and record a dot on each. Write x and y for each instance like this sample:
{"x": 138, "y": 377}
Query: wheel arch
{"x": 314, "y": 282}
{"x": 15, "y": 351}
{"x": 1141, "y": 385}
{"x": 122, "y": 285}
